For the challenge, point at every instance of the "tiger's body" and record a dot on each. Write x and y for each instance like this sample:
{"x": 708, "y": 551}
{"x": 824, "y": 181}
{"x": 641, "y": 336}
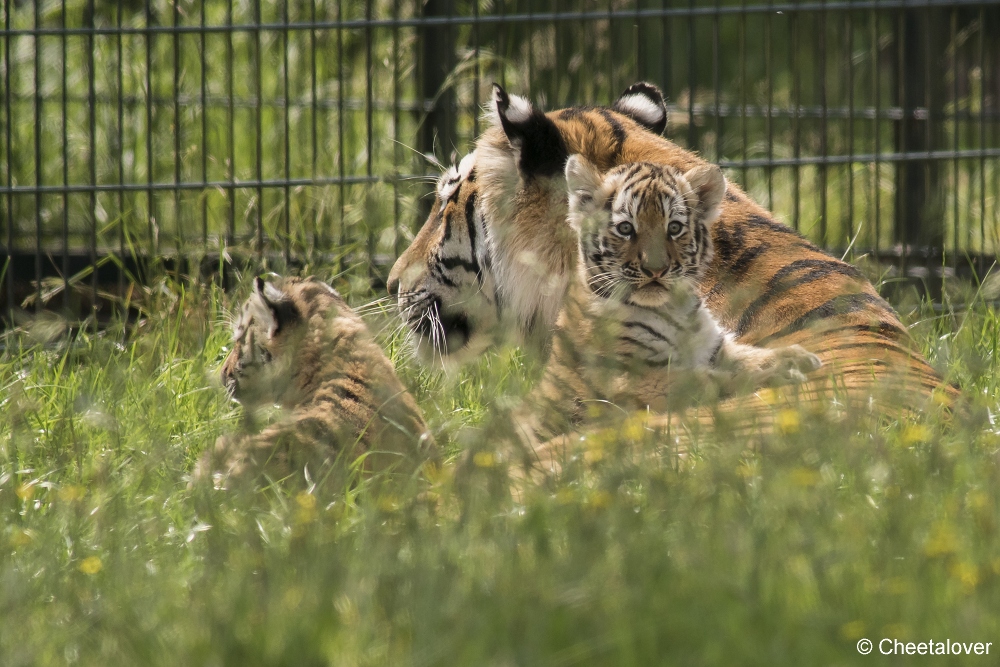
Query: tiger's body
{"x": 299, "y": 346}
{"x": 765, "y": 282}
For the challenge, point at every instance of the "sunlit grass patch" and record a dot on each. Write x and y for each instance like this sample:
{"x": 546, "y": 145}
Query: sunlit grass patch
{"x": 782, "y": 548}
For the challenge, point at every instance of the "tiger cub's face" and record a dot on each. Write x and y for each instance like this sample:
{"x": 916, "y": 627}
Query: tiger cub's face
{"x": 643, "y": 227}
{"x": 257, "y": 370}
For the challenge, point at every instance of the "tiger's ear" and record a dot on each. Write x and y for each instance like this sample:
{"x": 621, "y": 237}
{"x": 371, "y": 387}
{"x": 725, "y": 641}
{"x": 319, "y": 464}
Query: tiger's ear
{"x": 643, "y": 102}
{"x": 275, "y": 308}
{"x": 583, "y": 180}
{"x": 541, "y": 149}
{"x": 709, "y": 185}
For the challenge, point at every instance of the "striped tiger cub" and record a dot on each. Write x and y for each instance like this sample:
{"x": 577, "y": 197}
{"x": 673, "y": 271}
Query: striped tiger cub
{"x": 633, "y": 327}
{"x": 299, "y": 346}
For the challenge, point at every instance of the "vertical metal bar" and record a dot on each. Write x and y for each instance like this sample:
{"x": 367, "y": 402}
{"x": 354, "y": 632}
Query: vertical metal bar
{"x": 793, "y": 26}
{"x": 716, "y": 86}
{"x": 369, "y": 138}
{"x": 259, "y": 127}
{"x": 566, "y": 31}
{"x": 395, "y": 124}
{"x": 584, "y": 86}
{"x": 502, "y": 44}
{"x": 178, "y": 130}
{"x": 769, "y": 69}
{"x": 342, "y": 237}
{"x": 449, "y": 97}
{"x": 475, "y": 65}
{"x": 39, "y": 174}
{"x": 204, "y": 135}
{"x": 640, "y": 62}
{"x": 665, "y": 63}
{"x": 529, "y": 28}
{"x": 824, "y": 241}
{"x": 150, "y": 197}
{"x": 230, "y": 129}
{"x": 956, "y": 129}
{"x": 926, "y": 140}
{"x": 286, "y": 210}
{"x": 121, "y": 160}
{"x": 610, "y": 54}
{"x": 901, "y": 226}
{"x": 877, "y": 94}
{"x": 692, "y": 73}
{"x": 314, "y": 120}
{"x": 65, "y": 154}
{"x": 92, "y": 158}
{"x": 849, "y": 52}
{"x": 8, "y": 276}
{"x": 982, "y": 131}
{"x": 743, "y": 91}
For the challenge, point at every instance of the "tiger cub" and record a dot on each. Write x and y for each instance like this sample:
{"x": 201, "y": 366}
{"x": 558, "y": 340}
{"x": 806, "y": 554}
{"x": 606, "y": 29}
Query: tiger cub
{"x": 633, "y": 328}
{"x": 299, "y": 346}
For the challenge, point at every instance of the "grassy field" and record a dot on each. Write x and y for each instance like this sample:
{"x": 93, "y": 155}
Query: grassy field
{"x": 785, "y": 555}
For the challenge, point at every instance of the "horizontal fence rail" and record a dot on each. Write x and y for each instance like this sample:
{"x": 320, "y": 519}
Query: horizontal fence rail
{"x": 187, "y": 136}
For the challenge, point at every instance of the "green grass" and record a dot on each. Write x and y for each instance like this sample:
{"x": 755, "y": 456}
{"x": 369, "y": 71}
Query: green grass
{"x": 781, "y": 556}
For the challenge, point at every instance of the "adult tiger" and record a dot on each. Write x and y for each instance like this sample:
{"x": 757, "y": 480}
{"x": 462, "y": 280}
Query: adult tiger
{"x": 766, "y": 282}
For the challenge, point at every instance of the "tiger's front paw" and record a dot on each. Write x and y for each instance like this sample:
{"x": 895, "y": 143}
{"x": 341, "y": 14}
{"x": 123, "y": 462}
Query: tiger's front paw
{"x": 793, "y": 363}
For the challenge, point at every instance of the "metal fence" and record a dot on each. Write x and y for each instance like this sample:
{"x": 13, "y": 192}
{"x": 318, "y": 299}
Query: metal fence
{"x": 187, "y": 133}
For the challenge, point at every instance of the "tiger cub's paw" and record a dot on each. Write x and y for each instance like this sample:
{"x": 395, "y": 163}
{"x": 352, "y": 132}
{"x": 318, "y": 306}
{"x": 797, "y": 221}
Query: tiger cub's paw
{"x": 792, "y": 363}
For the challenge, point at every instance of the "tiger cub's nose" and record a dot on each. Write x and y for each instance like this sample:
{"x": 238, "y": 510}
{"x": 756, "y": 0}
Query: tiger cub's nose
{"x": 654, "y": 274}
{"x": 651, "y": 267}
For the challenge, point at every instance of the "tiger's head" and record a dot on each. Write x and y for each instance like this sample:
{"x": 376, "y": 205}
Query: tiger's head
{"x": 261, "y": 366}
{"x": 442, "y": 282}
{"x": 642, "y": 227}
{"x": 493, "y": 260}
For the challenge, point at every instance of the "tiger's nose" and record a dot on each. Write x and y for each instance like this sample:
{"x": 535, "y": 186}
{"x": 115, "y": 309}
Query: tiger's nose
{"x": 654, "y": 261}
{"x": 655, "y": 273}
{"x": 653, "y": 268}
{"x": 392, "y": 284}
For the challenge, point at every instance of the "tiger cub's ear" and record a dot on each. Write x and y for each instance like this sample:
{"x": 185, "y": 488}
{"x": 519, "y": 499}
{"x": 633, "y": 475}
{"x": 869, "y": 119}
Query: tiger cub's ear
{"x": 536, "y": 138}
{"x": 273, "y": 308}
{"x": 709, "y": 186}
{"x": 643, "y": 102}
{"x": 583, "y": 180}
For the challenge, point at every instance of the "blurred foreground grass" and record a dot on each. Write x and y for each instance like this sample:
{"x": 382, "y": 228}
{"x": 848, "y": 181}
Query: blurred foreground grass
{"x": 785, "y": 555}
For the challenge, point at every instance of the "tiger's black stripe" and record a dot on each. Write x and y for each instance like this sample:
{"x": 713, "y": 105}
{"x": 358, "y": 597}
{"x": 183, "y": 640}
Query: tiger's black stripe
{"x": 816, "y": 269}
{"x": 838, "y": 305}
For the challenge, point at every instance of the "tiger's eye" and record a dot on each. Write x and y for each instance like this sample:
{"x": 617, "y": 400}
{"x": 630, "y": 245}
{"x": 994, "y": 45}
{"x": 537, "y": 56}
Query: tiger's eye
{"x": 674, "y": 228}
{"x": 625, "y": 228}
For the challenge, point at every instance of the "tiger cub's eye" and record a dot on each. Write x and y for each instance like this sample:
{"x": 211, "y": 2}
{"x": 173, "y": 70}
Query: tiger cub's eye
{"x": 624, "y": 228}
{"x": 674, "y": 228}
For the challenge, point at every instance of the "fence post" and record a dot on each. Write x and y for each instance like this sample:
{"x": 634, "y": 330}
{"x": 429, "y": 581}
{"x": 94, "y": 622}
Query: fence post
{"x": 438, "y": 128}
{"x": 919, "y": 206}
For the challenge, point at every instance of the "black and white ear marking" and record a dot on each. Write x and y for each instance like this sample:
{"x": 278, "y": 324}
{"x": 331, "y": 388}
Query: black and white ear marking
{"x": 643, "y": 102}
{"x": 531, "y": 132}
